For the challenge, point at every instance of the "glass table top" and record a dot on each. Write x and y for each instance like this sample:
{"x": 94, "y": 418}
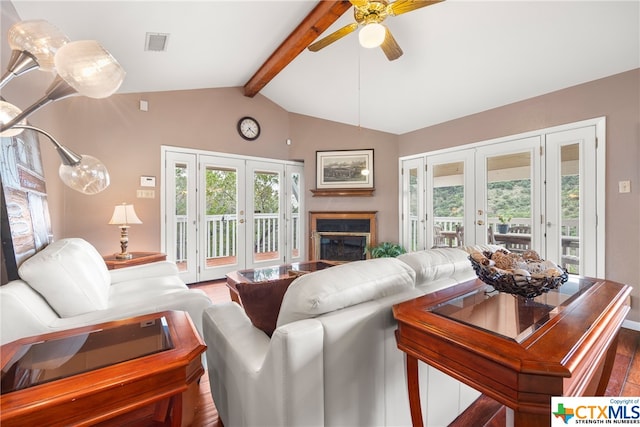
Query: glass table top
{"x": 507, "y": 315}
{"x": 50, "y": 360}
{"x": 278, "y": 272}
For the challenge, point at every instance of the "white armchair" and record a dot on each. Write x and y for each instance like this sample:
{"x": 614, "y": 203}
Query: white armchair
{"x": 68, "y": 285}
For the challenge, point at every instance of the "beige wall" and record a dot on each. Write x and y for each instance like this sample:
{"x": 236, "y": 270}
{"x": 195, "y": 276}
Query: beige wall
{"x": 309, "y": 135}
{"x": 129, "y": 142}
{"x": 618, "y": 99}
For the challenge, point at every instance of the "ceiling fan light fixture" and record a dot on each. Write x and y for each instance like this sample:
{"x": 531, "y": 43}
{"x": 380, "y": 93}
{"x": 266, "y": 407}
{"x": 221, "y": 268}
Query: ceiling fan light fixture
{"x": 372, "y": 35}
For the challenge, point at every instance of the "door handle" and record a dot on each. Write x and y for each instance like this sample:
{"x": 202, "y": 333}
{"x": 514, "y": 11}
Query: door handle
{"x": 241, "y": 221}
{"x": 480, "y": 222}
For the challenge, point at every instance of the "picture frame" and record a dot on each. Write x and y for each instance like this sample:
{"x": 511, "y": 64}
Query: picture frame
{"x": 24, "y": 214}
{"x": 344, "y": 169}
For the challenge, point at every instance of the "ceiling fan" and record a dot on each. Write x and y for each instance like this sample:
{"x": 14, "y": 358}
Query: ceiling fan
{"x": 371, "y": 14}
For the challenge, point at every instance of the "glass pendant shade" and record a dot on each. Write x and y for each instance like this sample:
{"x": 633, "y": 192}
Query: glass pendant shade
{"x": 89, "y": 176}
{"x": 38, "y": 37}
{"x": 87, "y": 67}
{"x": 372, "y": 35}
{"x": 7, "y": 112}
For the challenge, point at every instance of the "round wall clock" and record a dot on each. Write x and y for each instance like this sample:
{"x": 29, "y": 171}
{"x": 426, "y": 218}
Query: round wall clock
{"x": 249, "y": 128}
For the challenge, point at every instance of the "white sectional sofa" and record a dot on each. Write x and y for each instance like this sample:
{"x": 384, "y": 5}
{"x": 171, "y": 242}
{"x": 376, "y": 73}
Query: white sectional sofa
{"x": 68, "y": 285}
{"x": 332, "y": 359}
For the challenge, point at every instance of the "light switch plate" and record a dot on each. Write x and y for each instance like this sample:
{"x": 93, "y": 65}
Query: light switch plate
{"x": 624, "y": 186}
{"x": 146, "y": 194}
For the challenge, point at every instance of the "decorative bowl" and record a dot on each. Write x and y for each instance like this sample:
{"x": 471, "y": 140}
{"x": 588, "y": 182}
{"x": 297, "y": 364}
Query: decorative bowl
{"x": 516, "y": 284}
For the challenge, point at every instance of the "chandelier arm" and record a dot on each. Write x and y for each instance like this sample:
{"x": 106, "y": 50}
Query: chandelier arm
{"x": 58, "y": 89}
{"x": 21, "y": 61}
{"x": 68, "y": 157}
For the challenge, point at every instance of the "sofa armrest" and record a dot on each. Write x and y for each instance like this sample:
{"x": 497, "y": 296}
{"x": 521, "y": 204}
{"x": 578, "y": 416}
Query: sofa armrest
{"x": 260, "y": 381}
{"x": 154, "y": 269}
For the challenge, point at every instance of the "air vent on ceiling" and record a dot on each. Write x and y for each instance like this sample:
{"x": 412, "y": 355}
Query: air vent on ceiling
{"x": 156, "y": 42}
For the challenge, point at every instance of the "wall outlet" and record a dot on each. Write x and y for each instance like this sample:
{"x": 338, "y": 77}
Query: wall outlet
{"x": 624, "y": 186}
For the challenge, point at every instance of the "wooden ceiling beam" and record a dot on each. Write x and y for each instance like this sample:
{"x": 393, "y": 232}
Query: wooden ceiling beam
{"x": 314, "y": 24}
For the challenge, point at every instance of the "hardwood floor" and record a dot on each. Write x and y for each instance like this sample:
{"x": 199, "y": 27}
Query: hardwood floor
{"x": 625, "y": 381}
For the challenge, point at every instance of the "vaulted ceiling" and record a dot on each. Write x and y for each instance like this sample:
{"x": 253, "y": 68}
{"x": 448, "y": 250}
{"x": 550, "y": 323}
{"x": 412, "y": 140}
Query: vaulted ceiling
{"x": 460, "y": 57}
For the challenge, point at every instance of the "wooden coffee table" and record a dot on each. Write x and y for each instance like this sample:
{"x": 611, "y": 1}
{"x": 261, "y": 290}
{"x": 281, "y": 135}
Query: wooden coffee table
{"x": 280, "y": 274}
{"x": 519, "y": 352}
{"x": 87, "y": 375}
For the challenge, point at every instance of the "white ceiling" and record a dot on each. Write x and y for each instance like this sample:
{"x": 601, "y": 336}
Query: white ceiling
{"x": 460, "y": 57}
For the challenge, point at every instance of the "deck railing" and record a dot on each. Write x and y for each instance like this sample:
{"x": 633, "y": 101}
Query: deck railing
{"x": 450, "y": 225}
{"x": 221, "y": 235}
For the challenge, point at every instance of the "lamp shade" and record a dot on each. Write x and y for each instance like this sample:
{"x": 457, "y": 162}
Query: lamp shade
{"x": 87, "y": 67}
{"x": 124, "y": 215}
{"x": 372, "y": 35}
{"x": 38, "y": 37}
{"x": 7, "y": 112}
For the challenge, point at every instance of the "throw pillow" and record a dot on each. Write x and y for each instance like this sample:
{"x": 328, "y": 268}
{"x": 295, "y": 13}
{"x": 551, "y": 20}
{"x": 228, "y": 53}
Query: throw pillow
{"x": 261, "y": 302}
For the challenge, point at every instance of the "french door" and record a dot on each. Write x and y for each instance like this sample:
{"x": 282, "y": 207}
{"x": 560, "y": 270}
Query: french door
{"x": 547, "y": 186}
{"x": 226, "y": 213}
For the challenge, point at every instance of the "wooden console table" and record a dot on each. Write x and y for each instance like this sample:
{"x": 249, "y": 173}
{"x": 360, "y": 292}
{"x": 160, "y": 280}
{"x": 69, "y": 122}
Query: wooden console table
{"x": 87, "y": 375}
{"x": 519, "y": 352}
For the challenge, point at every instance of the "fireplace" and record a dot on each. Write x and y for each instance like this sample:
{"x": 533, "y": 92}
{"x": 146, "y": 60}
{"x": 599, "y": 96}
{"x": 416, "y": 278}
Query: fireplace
{"x": 341, "y": 236}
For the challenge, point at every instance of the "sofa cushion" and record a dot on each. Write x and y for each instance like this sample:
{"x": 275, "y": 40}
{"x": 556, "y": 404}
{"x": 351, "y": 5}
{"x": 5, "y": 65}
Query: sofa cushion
{"x": 71, "y": 275}
{"x": 342, "y": 286}
{"x": 432, "y": 266}
{"x": 262, "y": 301}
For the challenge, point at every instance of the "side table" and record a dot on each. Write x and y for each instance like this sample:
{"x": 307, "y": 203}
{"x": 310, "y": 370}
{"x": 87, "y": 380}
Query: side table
{"x": 137, "y": 258}
{"x": 519, "y": 352}
{"x": 88, "y": 375}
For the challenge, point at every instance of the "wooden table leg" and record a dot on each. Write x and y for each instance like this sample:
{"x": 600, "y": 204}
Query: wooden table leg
{"x": 169, "y": 409}
{"x": 414, "y": 391}
{"x": 176, "y": 411}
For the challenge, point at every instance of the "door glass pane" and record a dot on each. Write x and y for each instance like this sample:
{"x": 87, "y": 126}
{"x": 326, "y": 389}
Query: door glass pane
{"x": 221, "y": 216}
{"x": 509, "y": 200}
{"x": 448, "y": 204}
{"x": 295, "y": 230}
{"x": 180, "y": 184}
{"x": 414, "y": 221}
{"x": 570, "y": 209}
{"x": 266, "y": 202}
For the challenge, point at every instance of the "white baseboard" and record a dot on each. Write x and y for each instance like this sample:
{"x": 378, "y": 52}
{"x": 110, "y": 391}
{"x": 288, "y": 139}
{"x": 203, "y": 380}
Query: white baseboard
{"x": 630, "y": 324}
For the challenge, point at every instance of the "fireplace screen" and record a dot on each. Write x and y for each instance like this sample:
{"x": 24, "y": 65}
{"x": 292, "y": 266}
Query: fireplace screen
{"x": 337, "y": 246}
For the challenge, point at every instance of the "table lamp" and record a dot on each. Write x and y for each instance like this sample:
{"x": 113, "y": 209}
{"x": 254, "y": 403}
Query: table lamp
{"x": 123, "y": 216}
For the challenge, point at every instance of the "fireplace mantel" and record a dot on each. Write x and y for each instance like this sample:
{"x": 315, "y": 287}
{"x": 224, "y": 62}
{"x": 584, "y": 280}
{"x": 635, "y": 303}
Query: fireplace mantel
{"x": 314, "y": 216}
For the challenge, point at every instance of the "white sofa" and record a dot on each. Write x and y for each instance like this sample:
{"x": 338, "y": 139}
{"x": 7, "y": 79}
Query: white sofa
{"x": 67, "y": 285}
{"x": 332, "y": 359}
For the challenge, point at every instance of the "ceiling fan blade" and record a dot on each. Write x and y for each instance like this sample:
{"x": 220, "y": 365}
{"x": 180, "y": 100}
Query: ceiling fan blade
{"x": 403, "y": 6}
{"x": 390, "y": 47}
{"x": 347, "y": 29}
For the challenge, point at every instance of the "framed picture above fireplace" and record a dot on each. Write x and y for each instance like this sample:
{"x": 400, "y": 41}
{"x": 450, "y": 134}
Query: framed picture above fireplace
{"x": 344, "y": 169}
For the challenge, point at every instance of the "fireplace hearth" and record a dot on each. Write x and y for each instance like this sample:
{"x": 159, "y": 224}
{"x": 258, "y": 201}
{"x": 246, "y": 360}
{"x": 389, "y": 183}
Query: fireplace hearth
{"x": 341, "y": 236}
